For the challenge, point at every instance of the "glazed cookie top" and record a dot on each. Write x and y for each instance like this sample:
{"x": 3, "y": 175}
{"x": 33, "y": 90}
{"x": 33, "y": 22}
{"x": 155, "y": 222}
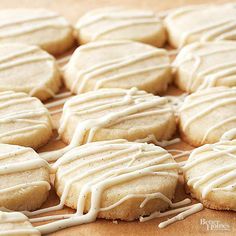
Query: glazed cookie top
{"x": 36, "y": 27}
{"x": 25, "y": 68}
{"x": 130, "y": 112}
{"x": 121, "y": 64}
{"x": 201, "y": 23}
{"x": 24, "y": 120}
{"x": 211, "y": 109}
{"x": 210, "y": 173}
{"x": 21, "y": 169}
{"x": 16, "y": 223}
{"x": 203, "y": 65}
{"x": 121, "y": 23}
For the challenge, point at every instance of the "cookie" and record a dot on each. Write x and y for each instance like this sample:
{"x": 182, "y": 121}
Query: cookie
{"x": 118, "y": 64}
{"x": 211, "y": 177}
{"x": 24, "y": 178}
{"x": 208, "y": 115}
{"x": 23, "y": 120}
{"x": 120, "y": 179}
{"x": 203, "y": 65}
{"x": 201, "y": 23}
{"x": 108, "y": 114}
{"x": 28, "y": 69}
{"x": 41, "y": 27}
{"x": 119, "y": 23}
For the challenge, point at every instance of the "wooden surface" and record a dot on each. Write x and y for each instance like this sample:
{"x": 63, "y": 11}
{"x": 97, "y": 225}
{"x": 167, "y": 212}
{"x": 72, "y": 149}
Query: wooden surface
{"x": 206, "y": 222}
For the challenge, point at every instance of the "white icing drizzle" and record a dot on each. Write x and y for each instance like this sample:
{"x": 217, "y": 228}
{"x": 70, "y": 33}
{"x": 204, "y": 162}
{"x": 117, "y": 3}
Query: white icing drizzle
{"x": 121, "y": 19}
{"x": 177, "y": 101}
{"x": 220, "y": 29}
{"x": 230, "y": 134}
{"x": 29, "y": 116}
{"x": 217, "y": 98}
{"x": 138, "y": 102}
{"x": 99, "y": 69}
{"x": 209, "y": 76}
{"x": 20, "y": 221}
{"x": 213, "y": 179}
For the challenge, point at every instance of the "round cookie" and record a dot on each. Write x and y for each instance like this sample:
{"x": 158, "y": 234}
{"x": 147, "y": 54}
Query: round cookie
{"x": 15, "y": 224}
{"x": 108, "y": 114}
{"x": 208, "y": 115}
{"x": 24, "y": 178}
{"x": 25, "y": 68}
{"x": 117, "y": 23}
{"x": 211, "y": 177}
{"x": 201, "y": 23}
{"x": 118, "y": 64}
{"x": 23, "y": 120}
{"x": 41, "y": 27}
{"x": 202, "y": 65}
{"x": 138, "y": 178}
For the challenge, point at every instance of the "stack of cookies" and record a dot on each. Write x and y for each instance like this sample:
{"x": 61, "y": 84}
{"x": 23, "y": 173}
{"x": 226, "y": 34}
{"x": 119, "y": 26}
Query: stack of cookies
{"x": 115, "y": 116}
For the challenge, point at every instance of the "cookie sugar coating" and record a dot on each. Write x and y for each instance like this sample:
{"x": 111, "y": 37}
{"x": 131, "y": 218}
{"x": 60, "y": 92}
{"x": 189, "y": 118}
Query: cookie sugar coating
{"x": 201, "y": 23}
{"x": 118, "y": 64}
{"x": 210, "y": 175}
{"x": 23, "y": 120}
{"x": 208, "y": 115}
{"x": 39, "y": 27}
{"x": 118, "y": 170}
{"x": 108, "y": 114}
{"x": 24, "y": 178}
{"x": 121, "y": 23}
{"x": 202, "y": 65}
{"x": 28, "y": 69}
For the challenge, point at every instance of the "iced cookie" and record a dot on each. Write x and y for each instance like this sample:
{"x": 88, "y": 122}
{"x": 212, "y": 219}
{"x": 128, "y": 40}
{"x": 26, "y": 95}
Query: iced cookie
{"x": 121, "y": 23}
{"x": 208, "y": 115}
{"x": 39, "y": 27}
{"x": 23, "y": 120}
{"x": 108, "y": 114}
{"x": 15, "y": 224}
{"x": 120, "y": 179}
{"x": 118, "y": 64}
{"x": 28, "y": 69}
{"x": 24, "y": 178}
{"x": 202, "y": 65}
{"x": 201, "y": 23}
{"x": 210, "y": 175}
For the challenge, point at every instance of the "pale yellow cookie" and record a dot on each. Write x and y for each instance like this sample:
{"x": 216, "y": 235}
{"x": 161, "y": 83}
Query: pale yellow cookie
{"x": 118, "y": 64}
{"x": 201, "y": 23}
{"x": 208, "y": 115}
{"x": 23, "y": 120}
{"x": 137, "y": 178}
{"x": 15, "y": 224}
{"x": 25, "y": 68}
{"x": 108, "y": 114}
{"x": 210, "y": 175}
{"x": 24, "y": 178}
{"x": 202, "y": 65}
{"x": 39, "y": 27}
{"x": 118, "y": 23}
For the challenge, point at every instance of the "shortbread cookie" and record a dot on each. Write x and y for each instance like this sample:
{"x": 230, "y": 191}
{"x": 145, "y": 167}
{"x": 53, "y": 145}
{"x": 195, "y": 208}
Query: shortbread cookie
{"x": 137, "y": 178}
{"x": 24, "y": 178}
{"x": 121, "y": 23}
{"x": 25, "y": 68}
{"x": 203, "y": 65}
{"x": 15, "y": 224}
{"x": 23, "y": 120}
{"x": 201, "y": 23}
{"x": 210, "y": 175}
{"x": 108, "y": 114}
{"x": 118, "y": 64}
{"x": 39, "y": 27}
{"x": 207, "y": 115}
